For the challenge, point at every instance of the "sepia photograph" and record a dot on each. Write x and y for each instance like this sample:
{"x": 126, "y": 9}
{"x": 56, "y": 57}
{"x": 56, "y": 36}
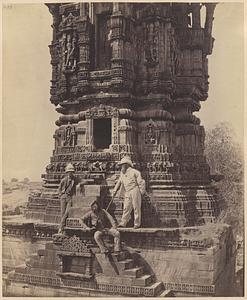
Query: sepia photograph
{"x": 123, "y": 149}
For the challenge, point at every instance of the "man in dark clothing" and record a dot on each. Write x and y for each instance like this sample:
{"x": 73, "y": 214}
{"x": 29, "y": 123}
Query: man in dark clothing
{"x": 100, "y": 220}
{"x": 66, "y": 190}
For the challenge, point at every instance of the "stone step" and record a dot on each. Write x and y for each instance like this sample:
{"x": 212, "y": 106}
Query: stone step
{"x": 123, "y": 255}
{"x": 166, "y": 293}
{"x": 21, "y": 268}
{"x": 134, "y": 272}
{"x": 125, "y": 264}
{"x": 128, "y": 287}
{"x": 144, "y": 280}
{"x": 156, "y": 288}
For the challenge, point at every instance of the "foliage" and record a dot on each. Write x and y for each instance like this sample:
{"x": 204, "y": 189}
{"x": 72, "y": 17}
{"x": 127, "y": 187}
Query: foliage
{"x": 14, "y": 180}
{"x": 225, "y": 156}
{"x": 26, "y": 180}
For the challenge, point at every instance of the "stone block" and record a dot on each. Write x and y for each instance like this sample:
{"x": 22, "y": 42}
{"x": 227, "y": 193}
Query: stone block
{"x": 125, "y": 264}
{"x": 134, "y": 272}
{"x": 77, "y": 212}
{"x": 92, "y": 190}
{"x": 84, "y": 201}
{"x": 144, "y": 280}
{"x": 119, "y": 256}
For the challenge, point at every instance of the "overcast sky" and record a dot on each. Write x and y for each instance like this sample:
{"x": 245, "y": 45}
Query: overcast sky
{"x": 29, "y": 117}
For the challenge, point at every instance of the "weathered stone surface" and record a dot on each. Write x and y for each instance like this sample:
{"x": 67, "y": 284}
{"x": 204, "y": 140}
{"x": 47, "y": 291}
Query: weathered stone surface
{"x": 149, "y": 117}
{"x": 128, "y": 78}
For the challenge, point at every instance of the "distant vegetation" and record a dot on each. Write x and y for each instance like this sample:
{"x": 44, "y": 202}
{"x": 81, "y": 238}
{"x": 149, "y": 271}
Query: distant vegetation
{"x": 225, "y": 156}
{"x": 15, "y": 195}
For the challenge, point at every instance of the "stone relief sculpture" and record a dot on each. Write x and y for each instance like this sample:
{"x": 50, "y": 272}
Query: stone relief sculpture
{"x": 70, "y": 135}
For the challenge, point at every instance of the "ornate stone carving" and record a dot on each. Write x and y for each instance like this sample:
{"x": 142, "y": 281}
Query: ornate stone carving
{"x": 69, "y": 48}
{"x": 151, "y": 43}
{"x": 101, "y": 112}
{"x": 70, "y": 136}
{"x": 74, "y": 244}
{"x": 68, "y": 23}
{"x": 150, "y": 135}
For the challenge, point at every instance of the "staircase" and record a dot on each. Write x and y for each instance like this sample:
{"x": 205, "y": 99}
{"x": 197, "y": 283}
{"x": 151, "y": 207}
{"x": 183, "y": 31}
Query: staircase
{"x": 122, "y": 276}
{"x": 117, "y": 274}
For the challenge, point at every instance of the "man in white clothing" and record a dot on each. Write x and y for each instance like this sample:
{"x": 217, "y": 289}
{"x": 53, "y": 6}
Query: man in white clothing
{"x": 134, "y": 187}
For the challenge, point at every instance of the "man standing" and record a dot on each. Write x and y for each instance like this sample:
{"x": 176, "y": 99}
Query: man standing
{"x": 102, "y": 222}
{"x": 134, "y": 187}
{"x": 66, "y": 190}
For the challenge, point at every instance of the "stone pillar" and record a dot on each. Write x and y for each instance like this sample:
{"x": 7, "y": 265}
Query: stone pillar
{"x": 210, "y": 7}
{"x": 122, "y": 49}
{"x": 84, "y": 33}
{"x": 196, "y": 17}
{"x": 114, "y": 130}
{"x": 115, "y": 7}
{"x": 54, "y": 10}
{"x": 89, "y": 134}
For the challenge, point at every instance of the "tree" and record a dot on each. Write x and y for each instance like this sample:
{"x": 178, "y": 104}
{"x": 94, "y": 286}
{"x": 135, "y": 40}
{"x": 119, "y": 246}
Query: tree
{"x": 26, "y": 180}
{"x": 225, "y": 156}
{"x": 14, "y": 180}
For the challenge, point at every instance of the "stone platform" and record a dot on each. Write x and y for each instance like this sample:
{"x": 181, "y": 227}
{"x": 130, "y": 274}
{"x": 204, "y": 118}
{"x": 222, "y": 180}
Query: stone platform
{"x": 154, "y": 260}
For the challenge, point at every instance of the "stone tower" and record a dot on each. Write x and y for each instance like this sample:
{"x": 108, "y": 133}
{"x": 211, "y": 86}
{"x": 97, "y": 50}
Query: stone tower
{"x": 127, "y": 79}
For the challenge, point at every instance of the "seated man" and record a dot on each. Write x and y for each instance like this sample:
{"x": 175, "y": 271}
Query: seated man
{"x": 100, "y": 220}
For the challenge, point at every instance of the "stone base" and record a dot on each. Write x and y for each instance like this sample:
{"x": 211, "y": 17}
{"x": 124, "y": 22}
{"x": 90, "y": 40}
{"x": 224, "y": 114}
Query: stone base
{"x": 192, "y": 261}
{"x": 18, "y": 289}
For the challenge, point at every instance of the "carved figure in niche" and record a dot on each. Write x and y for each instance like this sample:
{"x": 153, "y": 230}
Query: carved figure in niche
{"x": 57, "y": 168}
{"x": 155, "y": 167}
{"x": 151, "y": 47}
{"x": 49, "y": 168}
{"x": 76, "y": 165}
{"x": 70, "y": 135}
{"x": 97, "y": 166}
{"x": 69, "y": 51}
{"x": 68, "y": 21}
{"x": 164, "y": 167}
{"x": 82, "y": 166}
{"x": 150, "y": 137}
{"x": 160, "y": 166}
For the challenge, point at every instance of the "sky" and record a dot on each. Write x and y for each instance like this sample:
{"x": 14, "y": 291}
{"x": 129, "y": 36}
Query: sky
{"x": 29, "y": 117}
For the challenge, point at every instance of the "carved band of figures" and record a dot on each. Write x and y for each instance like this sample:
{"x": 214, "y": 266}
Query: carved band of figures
{"x": 109, "y": 112}
{"x": 106, "y": 166}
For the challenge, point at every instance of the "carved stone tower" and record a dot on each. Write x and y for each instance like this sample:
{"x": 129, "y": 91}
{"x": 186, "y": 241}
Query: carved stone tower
{"x": 127, "y": 79}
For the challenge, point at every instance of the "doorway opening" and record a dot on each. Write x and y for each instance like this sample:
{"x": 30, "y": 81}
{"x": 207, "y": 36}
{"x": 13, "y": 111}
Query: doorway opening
{"x": 102, "y": 132}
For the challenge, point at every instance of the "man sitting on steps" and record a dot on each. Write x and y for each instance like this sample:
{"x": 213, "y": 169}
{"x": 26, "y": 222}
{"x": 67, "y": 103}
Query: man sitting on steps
{"x": 103, "y": 223}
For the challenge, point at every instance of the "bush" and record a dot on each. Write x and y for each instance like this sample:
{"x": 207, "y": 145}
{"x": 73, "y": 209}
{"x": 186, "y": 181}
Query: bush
{"x": 225, "y": 156}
